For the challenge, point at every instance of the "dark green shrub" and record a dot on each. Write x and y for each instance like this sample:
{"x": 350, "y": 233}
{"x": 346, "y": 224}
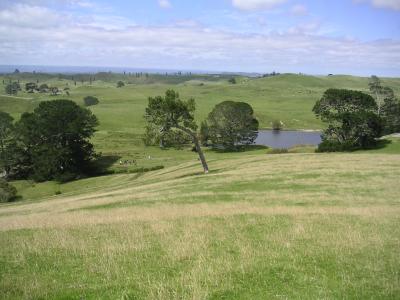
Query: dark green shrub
{"x": 43, "y": 88}
{"x": 278, "y": 151}
{"x": 8, "y": 192}
{"x": 120, "y": 84}
{"x": 90, "y": 100}
{"x": 277, "y": 125}
{"x": 335, "y": 146}
{"x": 12, "y": 88}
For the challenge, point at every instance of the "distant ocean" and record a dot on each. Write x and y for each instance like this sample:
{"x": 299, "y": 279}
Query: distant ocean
{"x": 78, "y": 69}
{"x": 4, "y": 69}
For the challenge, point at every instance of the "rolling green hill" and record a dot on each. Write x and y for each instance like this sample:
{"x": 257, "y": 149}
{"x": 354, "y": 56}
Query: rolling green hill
{"x": 291, "y": 226}
{"x": 288, "y": 97}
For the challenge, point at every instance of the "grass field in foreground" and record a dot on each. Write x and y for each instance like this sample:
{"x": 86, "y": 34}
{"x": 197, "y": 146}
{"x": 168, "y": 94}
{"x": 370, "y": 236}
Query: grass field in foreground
{"x": 292, "y": 226}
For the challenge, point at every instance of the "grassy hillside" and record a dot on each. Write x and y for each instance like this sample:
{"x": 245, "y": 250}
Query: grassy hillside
{"x": 289, "y": 98}
{"x": 293, "y": 226}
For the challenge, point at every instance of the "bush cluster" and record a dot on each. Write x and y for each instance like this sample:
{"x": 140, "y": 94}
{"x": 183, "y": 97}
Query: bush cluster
{"x": 8, "y": 192}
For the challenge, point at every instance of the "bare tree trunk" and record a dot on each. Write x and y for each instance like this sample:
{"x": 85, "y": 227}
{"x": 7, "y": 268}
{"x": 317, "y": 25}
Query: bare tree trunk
{"x": 198, "y": 147}
{"x": 201, "y": 154}
{"x": 378, "y": 103}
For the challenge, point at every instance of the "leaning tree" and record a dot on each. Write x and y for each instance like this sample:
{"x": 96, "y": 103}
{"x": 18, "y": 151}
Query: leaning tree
{"x": 170, "y": 112}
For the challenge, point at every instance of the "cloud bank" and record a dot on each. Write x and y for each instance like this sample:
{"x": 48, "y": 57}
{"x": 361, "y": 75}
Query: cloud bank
{"x": 256, "y": 4}
{"x": 36, "y": 35}
{"x": 389, "y": 4}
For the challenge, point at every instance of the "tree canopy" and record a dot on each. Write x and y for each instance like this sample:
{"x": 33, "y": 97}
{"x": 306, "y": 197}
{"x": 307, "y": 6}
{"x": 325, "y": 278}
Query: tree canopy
{"x": 390, "y": 112}
{"x": 376, "y": 89}
{"x": 231, "y": 124}
{"x": 43, "y": 88}
{"x": 90, "y": 100}
{"x": 12, "y": 88}
{"x": 7, "y": 192}
{"x": 6, "y": 131}
{"x": 170, "y": 112}
{"x": 351, "y": 117}
{"x": 30, "y": 87}
{"x": 53, "y": 141}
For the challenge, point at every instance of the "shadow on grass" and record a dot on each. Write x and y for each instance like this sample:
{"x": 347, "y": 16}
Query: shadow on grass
{"x": 381, "y": 144}
{"x": 244, "y": 148}
{"x": 213, "y": 171}
{"x": 102, "y": 164}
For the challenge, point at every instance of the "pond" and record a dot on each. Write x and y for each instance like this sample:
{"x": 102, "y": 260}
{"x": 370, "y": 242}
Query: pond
{"x": 287, "y": 138}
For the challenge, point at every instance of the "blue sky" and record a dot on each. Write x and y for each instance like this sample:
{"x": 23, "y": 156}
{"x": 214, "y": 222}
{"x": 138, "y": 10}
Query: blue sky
{"x": 359, "y": 37}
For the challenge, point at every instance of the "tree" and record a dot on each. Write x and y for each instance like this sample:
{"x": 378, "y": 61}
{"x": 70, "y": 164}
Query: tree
{"x": 232, "y": 80}
{"x": 170, "y": 112}
{"x": 390, "y": 112}
{"x": 376, "y": 89}
{"x": 231, "y": 124}
{"x": 6, "y": 130}
{"x": 7, "y": 191}
{"x": 43, "y": 88}
{"x": 12, "y": 88}
{"x": 352, "y": 120}
{"x": 54, "y": 91}
{"x": 90, "y": 100}
{"x": 55, "y": 141}
{"x": 277, "y": 125}
{"x": 30, "y": 87}
{"x": 120, "y": 84}
{"x": 165, "y": 139}
{"x": 204, "y": 133}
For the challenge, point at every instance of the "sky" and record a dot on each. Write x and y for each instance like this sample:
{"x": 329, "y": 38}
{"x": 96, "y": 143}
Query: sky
{"x": 358, "y": 37}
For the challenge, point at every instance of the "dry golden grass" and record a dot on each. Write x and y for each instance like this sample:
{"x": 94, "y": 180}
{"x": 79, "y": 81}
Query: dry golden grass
{"x": 286, "y": 226}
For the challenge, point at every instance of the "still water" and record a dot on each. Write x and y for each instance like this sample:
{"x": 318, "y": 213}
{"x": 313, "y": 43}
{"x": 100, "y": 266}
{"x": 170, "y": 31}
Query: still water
{"x": 287, "y": 139}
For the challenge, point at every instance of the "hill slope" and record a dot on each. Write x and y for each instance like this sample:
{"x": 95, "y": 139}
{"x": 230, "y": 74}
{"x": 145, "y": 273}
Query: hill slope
{"x": 288, "y": 97}
{"x": 275, "y": 226}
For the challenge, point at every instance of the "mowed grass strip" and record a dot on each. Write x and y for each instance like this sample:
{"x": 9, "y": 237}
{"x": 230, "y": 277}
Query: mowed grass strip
{"x": 293, "y": 226}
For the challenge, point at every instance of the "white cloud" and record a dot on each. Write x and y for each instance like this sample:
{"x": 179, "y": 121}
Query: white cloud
{"x": 299, "y": 10}
{"x": 114, "y": 41}
{"x": 256, "y": 4}
{"x": 389, "y": 4}
{"x": 23, "y": 15}
{"x": 164, "y": 3}
{"x": 305, "y": 28}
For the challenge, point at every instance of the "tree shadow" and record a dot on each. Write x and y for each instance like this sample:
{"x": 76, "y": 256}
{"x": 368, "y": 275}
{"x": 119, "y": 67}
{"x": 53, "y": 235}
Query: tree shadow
{"x": 243, "y": 148}
{"x": 102, "y": 164}
{"x": 199, "y": 173}
{"x": 380, "y": 144}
